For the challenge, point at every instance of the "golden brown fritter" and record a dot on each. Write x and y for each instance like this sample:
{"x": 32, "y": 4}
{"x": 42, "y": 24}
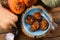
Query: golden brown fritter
{"x": 43, "y": 25}
{"x": 29, "y": 19}
{"x": 37, "y": 15}
{"x": 34, "y": 26}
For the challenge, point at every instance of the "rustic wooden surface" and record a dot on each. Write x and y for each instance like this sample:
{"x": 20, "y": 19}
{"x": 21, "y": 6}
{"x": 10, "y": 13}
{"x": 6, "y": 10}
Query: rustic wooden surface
{"x": 51, "y": 35}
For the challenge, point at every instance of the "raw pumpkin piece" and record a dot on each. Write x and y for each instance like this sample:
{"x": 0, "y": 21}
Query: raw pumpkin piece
{"x": 16, "y": 6}
{"x": 29, "y": 3}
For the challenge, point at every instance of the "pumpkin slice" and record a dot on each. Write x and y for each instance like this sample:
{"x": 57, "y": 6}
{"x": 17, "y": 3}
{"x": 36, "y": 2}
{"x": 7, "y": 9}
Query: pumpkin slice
{"x": 38, "y": 16}
{"x": 29, "y": 19}
{"x": 34, "y": 26}
{"x": 29, "y": 3}
{"x": 43, "y": 25}
{"x": 16, "y": 6}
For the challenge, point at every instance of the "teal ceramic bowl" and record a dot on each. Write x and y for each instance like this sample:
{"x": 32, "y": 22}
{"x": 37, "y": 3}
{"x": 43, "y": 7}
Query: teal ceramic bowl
{"x": 27, "y": 26}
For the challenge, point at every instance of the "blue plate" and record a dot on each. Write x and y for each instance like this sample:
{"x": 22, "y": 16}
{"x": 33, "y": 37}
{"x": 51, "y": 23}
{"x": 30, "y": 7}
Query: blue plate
{"x": 27, "y": 26}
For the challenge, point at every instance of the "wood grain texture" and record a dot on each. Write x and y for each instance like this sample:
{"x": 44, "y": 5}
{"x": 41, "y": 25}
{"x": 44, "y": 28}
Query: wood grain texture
{"x": 51, "y": 35}
{"x": 2, "y": 36}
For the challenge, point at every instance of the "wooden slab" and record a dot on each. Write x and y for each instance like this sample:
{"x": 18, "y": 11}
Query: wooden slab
{"x": 51, "y": 34}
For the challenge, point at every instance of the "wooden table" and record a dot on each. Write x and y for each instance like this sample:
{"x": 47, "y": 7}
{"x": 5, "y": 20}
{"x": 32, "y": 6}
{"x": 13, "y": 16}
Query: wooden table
{"x": 54, "y": 35}
{"x": 51, "y": 35}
